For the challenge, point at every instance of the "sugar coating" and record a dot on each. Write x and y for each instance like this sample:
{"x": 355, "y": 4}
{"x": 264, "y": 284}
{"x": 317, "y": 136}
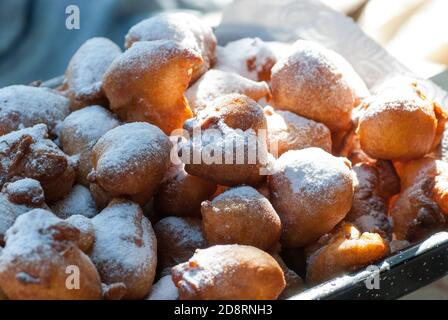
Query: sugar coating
{"x": 24, "y": 106}
{"x": 216, "y": 83}
{"x": 78, "y": 202}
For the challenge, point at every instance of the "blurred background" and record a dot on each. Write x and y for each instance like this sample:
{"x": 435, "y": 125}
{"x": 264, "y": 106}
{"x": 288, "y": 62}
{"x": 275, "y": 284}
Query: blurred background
{"x": 36, "y": 45}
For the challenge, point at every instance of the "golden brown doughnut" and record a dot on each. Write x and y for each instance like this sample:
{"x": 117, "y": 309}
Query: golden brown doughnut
{"x": 181, "y": 194}
{"x": 177, "y": 240}
{"x": 40, "y": 249}
{"x": 388, "y": 126}
{"x": 288, "y": 131}
{"x": 29, "y": 153}
{"x": 422, "y": 206}
{"x": 346, "y": 250}
{"x": 84, "y": 74}
{"x": 318, "y": 84}
{"x": 251, "y": 58}
{"x": 130, "y": 160}
{"x": 312, "y": 192}
{"x": 374, "y": 185}
{"x": 148, "y": 81}
{"x": 232, "y": 150}
{"x": 125, "y": 249}
{"x": 17, "y": 198}
{"x": 25, "y": 106}
{"x": 80, "y": 131}
{"x": 186, "y": 29}
{"x": 229, "y": 272}
{"x": 216, "y": 83}
{"x": 241, "y": 215}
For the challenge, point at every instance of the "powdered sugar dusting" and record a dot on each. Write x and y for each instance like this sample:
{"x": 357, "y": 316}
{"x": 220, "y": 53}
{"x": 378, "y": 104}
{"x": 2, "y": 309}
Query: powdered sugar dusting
{"x": 216, "y": 83}
{"x": 313, "y": 172}
{"x": 164, "y": 289}
{"x": 24, "y": 106}
{"x": 125, "y": 244}
{"x": 87, "y": 67}
{"x": 78, "y": 202}
{"x": 186, "y": 234}
{"x": 249, "y": 57}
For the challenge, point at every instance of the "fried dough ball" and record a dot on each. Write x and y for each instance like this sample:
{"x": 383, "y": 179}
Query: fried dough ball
{"x": 125, "y": 249}
{"x": 186, "y": 29}
{"x": 84, "y": 74}
{"x": 80, "y": 131}
{"x": 346, "y": 250}
{"x": 288, "y": 131}
{"x": 17, "y": 198}
{"x": 177, "y": 240}
{"x": 29, "y": 153}
{"x": 227, "y": 138}
{"x": 369, "y": 212}
{"x": 241, "y": 216}
{"x": 422, "y": 206}
{"x": 78, "y": 202}
{"x": 37, "y": 260}
{"x": 25, "y": 106}
{"x": 216, "y": 83}
{"x": 412, "y": 171}
{"x": 130, "y": 160}
{"x": 181, "y": 194}
{"x": 229, "y": 272}
{"x": 148, "y": 81}
{"x": 164, "y": 289}
{"x": 400, "y": 123}
{"x": 251, "y": 58}
{"x": 312, "y": 192}
{"x": 318, "y": 84}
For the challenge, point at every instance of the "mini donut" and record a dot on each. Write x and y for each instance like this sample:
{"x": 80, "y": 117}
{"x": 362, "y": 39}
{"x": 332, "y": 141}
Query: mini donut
{"x": 79, "y": 201}
{"x": 312, "y": 191}
{"x": 29, "y": 153}
{"x": 288, "y": 131}
{"x": 230, "y": 138}
{"x": 164, "y": 289}
{"x": 229, "y": 272}
{"x": 125, "y": 249}
{"x": 80, "y": 131}
{"x": 39, "y": 252}
{"x": 387, "y": 126}
{"x": 251, "y": 58}
{"x": 17, "y": 198}
{"x": 422, "y": 206}
{"x": 84, "y": 74}
{"x": 181, "y": 194}
{"x": 346, "y": 250}
{"x": 25, "y": 106}
{"x": 318, "y": 84}
{"x": 186, "y": 29}
{"x": 241, "y": 216}
{"x": 148, "y": 81}
{"x": 216, "y": 83}
{"x": 177, "y": 240}
{"x": 130, "y": 160}
{"x": 369, "y": 212}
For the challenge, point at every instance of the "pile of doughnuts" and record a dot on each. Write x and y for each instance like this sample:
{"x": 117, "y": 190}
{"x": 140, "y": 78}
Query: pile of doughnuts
{"x": 103, "y": 197}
